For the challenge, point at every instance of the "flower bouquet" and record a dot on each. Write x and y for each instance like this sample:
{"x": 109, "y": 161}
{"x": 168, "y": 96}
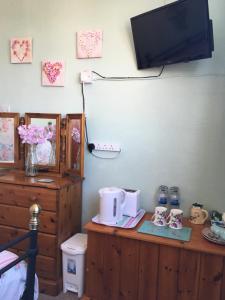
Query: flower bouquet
{"x": 51, "y": 129}
{"x": 75, "y": 134}
{"x": 33, "y": 135}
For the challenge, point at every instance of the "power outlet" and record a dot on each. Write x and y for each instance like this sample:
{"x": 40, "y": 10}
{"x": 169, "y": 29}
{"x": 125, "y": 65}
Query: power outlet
{"x": 86, "y": 76}
{"x": 107, "y": 147}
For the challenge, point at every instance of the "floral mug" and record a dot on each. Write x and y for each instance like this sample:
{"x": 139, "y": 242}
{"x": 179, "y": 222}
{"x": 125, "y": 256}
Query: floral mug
{"x": 175, "y": 218}
{"x": 159, "y": 217}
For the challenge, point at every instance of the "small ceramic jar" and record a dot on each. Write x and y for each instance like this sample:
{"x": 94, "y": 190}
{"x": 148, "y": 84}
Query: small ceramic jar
{"x": 198, "y": 214}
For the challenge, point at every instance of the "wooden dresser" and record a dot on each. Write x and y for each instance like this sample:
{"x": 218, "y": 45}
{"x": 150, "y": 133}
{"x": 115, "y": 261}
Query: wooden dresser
{"x": 60, "y": 218}
{"x": 122, "y": 264}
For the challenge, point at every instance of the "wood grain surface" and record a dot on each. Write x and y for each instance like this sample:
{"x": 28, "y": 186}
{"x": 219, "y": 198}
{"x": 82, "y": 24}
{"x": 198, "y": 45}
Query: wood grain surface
{"x": 60, "y": 218}
{"x": 125, "y": 264}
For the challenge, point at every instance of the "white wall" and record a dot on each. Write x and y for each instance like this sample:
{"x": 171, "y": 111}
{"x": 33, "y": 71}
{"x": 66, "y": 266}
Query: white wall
{"x": 172, "y": 130}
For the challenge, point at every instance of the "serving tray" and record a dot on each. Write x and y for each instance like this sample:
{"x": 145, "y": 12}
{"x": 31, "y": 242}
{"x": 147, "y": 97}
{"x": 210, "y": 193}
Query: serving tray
{"x": 183, "y": 234}
{"x": 126, "y": 222}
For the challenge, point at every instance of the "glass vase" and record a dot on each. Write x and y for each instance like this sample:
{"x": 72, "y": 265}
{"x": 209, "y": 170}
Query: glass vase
{"x": 31, "y": 161}
{"x": 52, "y": 157}
{"x": 76, "y": 156}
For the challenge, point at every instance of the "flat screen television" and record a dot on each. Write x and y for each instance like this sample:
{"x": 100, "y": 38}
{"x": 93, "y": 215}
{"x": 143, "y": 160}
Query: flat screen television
{"x": 177, "y": 32}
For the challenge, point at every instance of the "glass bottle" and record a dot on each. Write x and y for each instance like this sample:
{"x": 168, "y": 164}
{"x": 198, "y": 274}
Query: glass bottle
{"x": 174, "y": 197}
{"x": 52, "y": 156}
{"x": 163, "y": 196}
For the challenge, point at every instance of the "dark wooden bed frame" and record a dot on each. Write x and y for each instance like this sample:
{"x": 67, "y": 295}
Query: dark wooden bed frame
{"x": 30, "y": 253}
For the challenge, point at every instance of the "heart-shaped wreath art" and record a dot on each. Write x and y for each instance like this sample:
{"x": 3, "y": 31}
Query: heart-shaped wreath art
{"x": 52, "y": 70}
{"x": 89, "y": 44}
{"x": 20, "y": 49}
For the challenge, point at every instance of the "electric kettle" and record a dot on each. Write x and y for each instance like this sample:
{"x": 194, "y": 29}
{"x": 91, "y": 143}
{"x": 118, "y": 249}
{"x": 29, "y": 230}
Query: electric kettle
{"x": 112, "y": 204}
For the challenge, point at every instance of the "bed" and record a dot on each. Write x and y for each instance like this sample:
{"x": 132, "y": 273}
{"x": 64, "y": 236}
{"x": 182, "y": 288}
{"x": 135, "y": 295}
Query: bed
{"x": 18, "y": 280}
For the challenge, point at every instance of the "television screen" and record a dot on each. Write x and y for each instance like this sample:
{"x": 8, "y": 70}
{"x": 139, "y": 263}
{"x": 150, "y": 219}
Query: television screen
{"x": 178, "y": 32}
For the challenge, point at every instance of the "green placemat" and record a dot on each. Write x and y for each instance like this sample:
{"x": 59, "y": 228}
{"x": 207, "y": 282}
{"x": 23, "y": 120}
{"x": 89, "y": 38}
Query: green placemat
{"x": 183, "y": 234}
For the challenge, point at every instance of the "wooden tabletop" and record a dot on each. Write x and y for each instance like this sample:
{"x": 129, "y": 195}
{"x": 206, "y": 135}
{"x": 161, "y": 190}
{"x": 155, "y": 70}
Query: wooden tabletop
{"x": 197, "y": 242}
{"x": 18, "y": 177}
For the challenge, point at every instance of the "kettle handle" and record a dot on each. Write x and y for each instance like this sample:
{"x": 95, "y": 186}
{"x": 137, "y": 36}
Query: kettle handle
{"x": 123, "y": 203}
{"x": 205, "y": 212}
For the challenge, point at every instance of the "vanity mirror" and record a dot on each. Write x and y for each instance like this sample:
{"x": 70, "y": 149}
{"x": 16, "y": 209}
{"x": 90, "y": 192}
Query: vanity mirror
{"x": 58, "y": 143}
{"x": 47, "y": 151}
{"x": 75, "y": 144}
{"x": 9, "y": 142}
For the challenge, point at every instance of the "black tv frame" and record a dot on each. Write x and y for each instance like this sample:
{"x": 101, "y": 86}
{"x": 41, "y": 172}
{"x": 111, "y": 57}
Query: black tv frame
{"x": 175, "y": 56}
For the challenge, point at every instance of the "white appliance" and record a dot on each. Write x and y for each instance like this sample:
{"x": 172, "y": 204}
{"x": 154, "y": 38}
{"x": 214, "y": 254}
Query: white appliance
{"x": 132, "y": 203}
{"x": 112, "y": 203}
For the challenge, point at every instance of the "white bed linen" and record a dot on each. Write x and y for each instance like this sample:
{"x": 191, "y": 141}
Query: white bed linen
{"x": 12, "y": 282}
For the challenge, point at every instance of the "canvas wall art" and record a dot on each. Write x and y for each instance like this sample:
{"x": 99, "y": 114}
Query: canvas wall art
{"x": 7, "y": 140}
{"x": 21, "y": 50}
{"x": 89, "y": 44}
{"x": 53, "y": 73}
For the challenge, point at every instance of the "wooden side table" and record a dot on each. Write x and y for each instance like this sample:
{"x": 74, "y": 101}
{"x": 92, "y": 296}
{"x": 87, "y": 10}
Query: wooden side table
{"x": 122, "y": 264}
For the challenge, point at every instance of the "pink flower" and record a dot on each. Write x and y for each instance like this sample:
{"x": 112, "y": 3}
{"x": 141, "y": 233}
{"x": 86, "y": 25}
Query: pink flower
{"x": 75, "y": 135}
{"x": 33, "y": 134}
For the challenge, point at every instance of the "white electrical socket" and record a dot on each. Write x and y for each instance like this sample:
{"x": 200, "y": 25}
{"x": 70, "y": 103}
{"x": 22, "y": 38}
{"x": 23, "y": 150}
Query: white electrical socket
{"x": 107, "y": 147}
{"x": 86, "y": 76}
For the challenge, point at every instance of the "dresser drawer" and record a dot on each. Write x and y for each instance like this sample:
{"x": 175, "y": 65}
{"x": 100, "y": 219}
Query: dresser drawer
{"x": 50, "y": 287}
{"x": 19, "y": 217}
{"x": 25, "y": 196}
{"x": 60, "y": 218}
{"x": 46, "y": 267}
{"x": 47, "y": 243}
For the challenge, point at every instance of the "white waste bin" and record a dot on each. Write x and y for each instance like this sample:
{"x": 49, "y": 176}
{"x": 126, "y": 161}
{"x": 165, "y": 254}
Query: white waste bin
{"x": 73, "y": 263}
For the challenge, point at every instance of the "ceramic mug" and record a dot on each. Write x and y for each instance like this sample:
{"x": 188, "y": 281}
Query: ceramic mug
{"x": 159, "y": 217}
{"x": 175, "y": 218}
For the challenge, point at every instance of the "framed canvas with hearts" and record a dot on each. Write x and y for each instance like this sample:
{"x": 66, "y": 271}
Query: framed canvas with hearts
{"x": 53, "y": 73}
{"x": 89, "y": 44}
{"x": 21, "y": 50}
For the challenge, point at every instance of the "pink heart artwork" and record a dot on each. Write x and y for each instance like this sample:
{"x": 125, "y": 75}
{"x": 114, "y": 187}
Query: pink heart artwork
{"x": 21, "y": 50}
{"x": 89, "y": 44}
{"x": 53, "y": 73}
